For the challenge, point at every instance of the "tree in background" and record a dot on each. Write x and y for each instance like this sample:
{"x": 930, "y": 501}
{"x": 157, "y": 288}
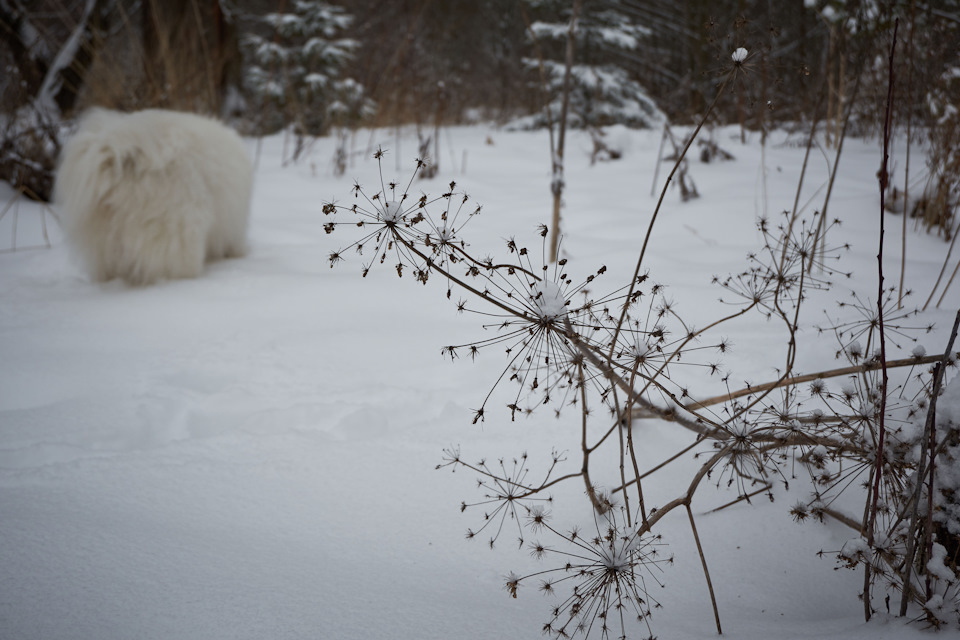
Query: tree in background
{"x": 604, "y": 87}
{"x": 584, "y": 79}
{"x": 688, "y": 49}
{"x": 928, "y": 76}
{"x": 318, "y": 65}
{"x": 124, "y": 54}
{"x": 46, "y": 62}
{"x": 189, "y": 53}
{"x": 297, "y": 71}
{"x": 410, "y": 47}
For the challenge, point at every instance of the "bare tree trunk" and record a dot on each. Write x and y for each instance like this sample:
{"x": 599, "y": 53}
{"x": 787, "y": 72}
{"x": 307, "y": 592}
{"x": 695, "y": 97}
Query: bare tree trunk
{"x": 229, "y": 69}
{"x": 191, "y": 53}
{"x": 22, "y": 39}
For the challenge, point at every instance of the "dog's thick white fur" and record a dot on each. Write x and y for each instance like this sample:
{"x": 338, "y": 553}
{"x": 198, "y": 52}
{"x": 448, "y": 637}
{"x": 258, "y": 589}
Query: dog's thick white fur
{"x": 154, "y": 194}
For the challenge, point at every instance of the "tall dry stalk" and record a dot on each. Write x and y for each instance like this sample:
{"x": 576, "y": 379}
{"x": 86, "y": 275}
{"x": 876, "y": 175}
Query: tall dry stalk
{"x": 556, "y": 153}
{"x": 614, "y": 360}
{"x": 878, "y": 465}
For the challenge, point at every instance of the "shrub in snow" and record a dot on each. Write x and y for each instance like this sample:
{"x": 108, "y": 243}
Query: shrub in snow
{"x": 939, "y": 508}
{"x": 937, "y": 201}
{"x": 42, "y": 77}
{"x": 153, "y": 194}
{"x": 29, "y": 144}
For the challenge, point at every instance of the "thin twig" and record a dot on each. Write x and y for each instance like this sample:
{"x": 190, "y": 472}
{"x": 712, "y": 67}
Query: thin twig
{"x": 932, "y": 445}
{"x": 746, "y": 497}
{"x": 656, "y": 211}
{"x": 585, "y": 468}
{"x": 809, "y": 377}
{"x": 949, "y": 282}
{"x": 628, "y": 425}
{"x": 878, "y": 463}
{"x": 845, "y": 519}
{"x": 803, "y": 169}
{"x": 943, "y": 269}
{"x": 706, "y": 571}
{"x": 656, "y": 167}
{"x": 906, "y": 175}
{"x": 649, "y": 472}
{"x": 556, "y": 180}
{"x": 820, "y": 237}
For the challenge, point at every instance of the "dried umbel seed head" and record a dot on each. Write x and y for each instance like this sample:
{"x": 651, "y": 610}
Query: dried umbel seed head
{"x": 739, "y": 56}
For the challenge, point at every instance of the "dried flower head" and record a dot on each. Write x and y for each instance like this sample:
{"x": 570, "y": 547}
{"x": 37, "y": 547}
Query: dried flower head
{"x": 606, "y": 577}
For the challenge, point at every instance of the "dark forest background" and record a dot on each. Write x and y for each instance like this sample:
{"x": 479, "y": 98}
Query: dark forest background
{"x": 328, "y": 67}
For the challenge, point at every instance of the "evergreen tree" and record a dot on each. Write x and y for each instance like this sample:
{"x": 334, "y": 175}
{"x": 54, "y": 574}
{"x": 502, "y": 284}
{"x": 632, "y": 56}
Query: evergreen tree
{"x": 604, "y": 90}
{"x": 297, "y": 70}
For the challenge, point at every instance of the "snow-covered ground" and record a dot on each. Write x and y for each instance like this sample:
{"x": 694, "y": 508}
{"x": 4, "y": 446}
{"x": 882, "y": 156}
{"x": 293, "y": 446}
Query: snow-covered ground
{"x": 251, "y": 454}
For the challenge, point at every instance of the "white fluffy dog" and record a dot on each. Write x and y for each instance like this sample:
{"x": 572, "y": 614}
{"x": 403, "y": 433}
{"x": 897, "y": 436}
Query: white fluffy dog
{"x": 154, "y": 194}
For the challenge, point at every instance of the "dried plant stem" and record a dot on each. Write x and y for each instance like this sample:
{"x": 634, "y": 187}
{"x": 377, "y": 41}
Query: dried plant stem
{"x": 636, "y": 469}
{"x": 881, "y": 427}
{"x": 485, "y": 265}
{"x": 13, "y": 235}
{"x": 809, "y": 377}
{"x": 740, "y": 499}
{"x": 845, "y": 519}
{"x": 43, "y": 225}
{"x": 687, "y": 497}
{"x": 692, "y": 335}
{"x": 633, "y": 397}
{"x": 949, "y": 282}
{"x": 556, "y": 143}
{"x": 791, "y": 327}
{"x": 820, "y": 238}
{"x": 650, "y": 472}
{"x": 585, "y": 468}
{"x": 621, "y": 427}
{"x": 932, "y": 447}
{"x": 943, "y": 269}
{"x": 928, "y": 430}
{"x": 906, "y": 172}
{"x": 528, "y": 490}
{"x": 803, "y": 168}
{"x": 656, "y": 210}
{"x": 685, "y": 501}
{"x": 556, "y": 181}
{"x": 656, "y": 168}
{"x": 706, "y": 571}
{"x": 624, "y": 421}
{"x": 459, "y": 282}
{"x": 560, "y": 349}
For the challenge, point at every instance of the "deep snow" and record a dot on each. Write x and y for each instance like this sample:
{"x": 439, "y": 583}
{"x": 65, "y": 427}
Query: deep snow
{"x": 251, "y": 454}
